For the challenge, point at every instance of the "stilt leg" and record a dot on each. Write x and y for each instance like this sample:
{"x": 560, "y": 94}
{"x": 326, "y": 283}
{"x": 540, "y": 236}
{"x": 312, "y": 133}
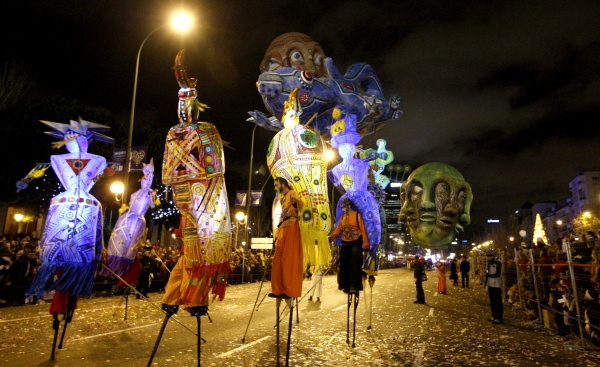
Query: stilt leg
{"x": 278, "y": 304}
{"x": 289, "y": 337}
{"x": 198, "y": 311}
{"x": 354, "y": 320}
{"x": 126, "y": 301}
{"x": 371, "y": 283}
{"x": 68, "y": 319}
{"x": 297, "y": 312}
{"x": 55, "y": 326}
{"x": 348, "y": 319}
{"x": 170, "y": 310}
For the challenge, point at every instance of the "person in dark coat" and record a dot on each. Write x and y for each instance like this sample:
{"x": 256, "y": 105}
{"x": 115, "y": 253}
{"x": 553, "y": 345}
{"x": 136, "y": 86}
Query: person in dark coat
{"x": 465, "y": 268}
{"x": 454, "y": 272}
{"x": 144, "y": 277}
{"x": 418, "y": 271}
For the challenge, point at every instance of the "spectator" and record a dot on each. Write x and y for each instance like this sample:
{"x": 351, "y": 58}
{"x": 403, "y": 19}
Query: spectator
{"x": 465, "y": 268}
{"x": 441, "y": 271}
{"x": 493, "y": 281}
{"x": 418, "y": 271}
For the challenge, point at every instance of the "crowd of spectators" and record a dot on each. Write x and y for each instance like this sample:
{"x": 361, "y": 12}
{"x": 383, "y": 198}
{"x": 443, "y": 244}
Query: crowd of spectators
{"x": 537, "y": 278}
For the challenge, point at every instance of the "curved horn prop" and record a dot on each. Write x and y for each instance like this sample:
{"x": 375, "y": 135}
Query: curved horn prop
{"x": 181, "y": 73}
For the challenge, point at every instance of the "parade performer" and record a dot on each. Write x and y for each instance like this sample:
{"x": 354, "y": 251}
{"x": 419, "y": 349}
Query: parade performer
{"x": 296, "y": 154}
{"x": 194, "y": 166}
{"x": 287, "y": 267}
{"x": 127, "y": 234}
{"x": 354, "y": 240}
{"x": 71, "y": 245}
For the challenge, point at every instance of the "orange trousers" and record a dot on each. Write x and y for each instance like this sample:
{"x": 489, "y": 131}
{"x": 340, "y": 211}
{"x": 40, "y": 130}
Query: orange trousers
{"x": 288, "y": 267}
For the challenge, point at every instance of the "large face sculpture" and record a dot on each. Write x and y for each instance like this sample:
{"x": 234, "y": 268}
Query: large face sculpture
{"x": 436, "y": 204}
{"x": 294, "y": 50}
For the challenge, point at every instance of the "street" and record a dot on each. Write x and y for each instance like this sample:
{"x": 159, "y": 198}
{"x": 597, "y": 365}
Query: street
{"x": 450, "y": 330}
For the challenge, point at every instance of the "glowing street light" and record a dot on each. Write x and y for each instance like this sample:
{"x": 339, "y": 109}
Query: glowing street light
{"x": 181, "y": 22}
{"x": 117, "y": 188}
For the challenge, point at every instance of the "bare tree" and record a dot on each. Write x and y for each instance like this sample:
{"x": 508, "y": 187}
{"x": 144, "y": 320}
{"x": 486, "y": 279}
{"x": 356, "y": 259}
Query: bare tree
{"x": 14, "y": 83}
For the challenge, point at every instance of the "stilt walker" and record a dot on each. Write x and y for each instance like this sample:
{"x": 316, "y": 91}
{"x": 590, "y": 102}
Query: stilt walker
{"x": 71, "y": 245}
{"x": 358, "y": 220}
{"x": 194, "y": 166}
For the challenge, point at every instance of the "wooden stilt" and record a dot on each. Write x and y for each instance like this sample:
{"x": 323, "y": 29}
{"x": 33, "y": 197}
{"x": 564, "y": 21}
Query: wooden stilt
{"x": 170, "y": 310}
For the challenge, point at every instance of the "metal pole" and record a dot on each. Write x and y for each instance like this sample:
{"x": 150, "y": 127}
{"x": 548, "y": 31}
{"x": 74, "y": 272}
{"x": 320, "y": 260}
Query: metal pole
{"x": 570, "y": 263}
{"x": 535, "y": 285}
{"x": 518, "y": 277}
{"x": 127, "y": 167}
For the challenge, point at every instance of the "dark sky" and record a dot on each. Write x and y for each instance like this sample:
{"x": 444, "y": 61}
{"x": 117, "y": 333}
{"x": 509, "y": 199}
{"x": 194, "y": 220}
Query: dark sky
{"x": 508, "y": 92}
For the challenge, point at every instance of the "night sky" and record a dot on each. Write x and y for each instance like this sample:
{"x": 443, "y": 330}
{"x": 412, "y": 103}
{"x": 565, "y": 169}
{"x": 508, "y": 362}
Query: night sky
{"x": 508, "y": 92}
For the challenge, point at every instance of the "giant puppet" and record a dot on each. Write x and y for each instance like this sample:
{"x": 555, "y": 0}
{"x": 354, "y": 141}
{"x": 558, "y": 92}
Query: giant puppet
{"x": 126, "y": 237}
{"x": 71, "y": 245}
{"x": 436, "y": 204}
{"x": 293, "y": 60}
{"x": 296, "y": 154}
{"x": 194, "y": 167}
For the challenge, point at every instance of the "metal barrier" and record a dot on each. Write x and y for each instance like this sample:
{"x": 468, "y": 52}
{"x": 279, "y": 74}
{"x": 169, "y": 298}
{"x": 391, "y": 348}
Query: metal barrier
{"x": 558, "y": 286}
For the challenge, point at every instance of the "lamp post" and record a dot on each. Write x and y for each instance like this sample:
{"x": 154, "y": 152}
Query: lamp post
{"x": 240, "y": 220}
{"x": 181, "y": 22}
{"x": 559, "y": 224}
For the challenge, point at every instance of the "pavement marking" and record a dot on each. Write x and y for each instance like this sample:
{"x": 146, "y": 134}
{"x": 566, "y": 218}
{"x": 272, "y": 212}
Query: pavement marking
{"x": 420, "y": 354}
{"x": 115, "y": 332}
{"x": 222, "y": 355}
{"x": 339, "y": 308}
{"x": 26, "y": 318}
{"x": 431, "y": 312}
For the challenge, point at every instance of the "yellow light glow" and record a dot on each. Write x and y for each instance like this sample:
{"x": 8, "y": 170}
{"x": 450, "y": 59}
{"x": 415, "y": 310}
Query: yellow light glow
{"x": 182, "y": 21}
{"x": 240, "y": 216}
{"x": 329, "y": 155}
{"x": 117, "y": 187}
{"x": 18, "y": 217}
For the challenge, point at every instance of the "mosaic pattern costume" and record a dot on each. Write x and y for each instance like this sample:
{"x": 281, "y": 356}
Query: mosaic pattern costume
{"x": 71, "y": 245}
{"x": 296, "y": 154}
{"x": 351, "y": 176}
{"x": 194, "y": 167}
{"x": 129, "y": 228}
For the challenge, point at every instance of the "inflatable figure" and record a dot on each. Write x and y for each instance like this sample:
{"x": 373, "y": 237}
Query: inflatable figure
{"x": 436, "y": 203}
{"x": 71, "y": 244}
{"x": 321, "y": 88}
{"x": 194, "y": 166}
{"x": 351, "y": 176}
{"x": 296, "y": 154}
{"x": 127, "y": 234}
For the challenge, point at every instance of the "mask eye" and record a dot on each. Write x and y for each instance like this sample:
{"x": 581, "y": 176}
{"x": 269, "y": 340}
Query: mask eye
{"x": 274, "y": 64}
{"x": 318, "y": 61}
{"x": 296, "y": 58}
{"x": 416, "y": 190}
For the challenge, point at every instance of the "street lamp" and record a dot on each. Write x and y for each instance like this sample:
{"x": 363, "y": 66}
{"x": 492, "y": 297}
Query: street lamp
{"x": 240, "y": 220}
{"x": 117, "y": 188}
{"x": 181, "y": 22}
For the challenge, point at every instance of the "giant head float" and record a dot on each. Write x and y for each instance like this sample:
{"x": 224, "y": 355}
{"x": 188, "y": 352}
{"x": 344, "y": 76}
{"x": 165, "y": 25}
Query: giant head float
{"x": 436, "y": 203}
{"x": 295, "y": 61}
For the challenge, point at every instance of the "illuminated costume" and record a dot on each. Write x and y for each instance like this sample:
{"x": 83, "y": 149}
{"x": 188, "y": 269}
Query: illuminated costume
{"x": 351, "y": 178}
{"x": 194, "y": 167}
{"x": 287, "y": 268}
{"x": 441, "y": 270}
{"x": 127, "y": 234}
{"x": 71, "y": 245}
{"x": 296, "y": 154}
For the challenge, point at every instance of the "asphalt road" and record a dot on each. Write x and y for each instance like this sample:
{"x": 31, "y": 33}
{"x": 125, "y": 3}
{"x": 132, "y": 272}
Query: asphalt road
{"x": 450, "y": 330}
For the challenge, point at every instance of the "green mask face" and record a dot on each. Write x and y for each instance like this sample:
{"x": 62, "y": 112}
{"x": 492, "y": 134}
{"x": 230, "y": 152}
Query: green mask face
{"x": 436, "y": 204}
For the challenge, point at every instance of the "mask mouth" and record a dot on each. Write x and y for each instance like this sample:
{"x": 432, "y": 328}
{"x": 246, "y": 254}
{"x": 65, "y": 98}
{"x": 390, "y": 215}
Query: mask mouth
{"x": 427, "y": 217}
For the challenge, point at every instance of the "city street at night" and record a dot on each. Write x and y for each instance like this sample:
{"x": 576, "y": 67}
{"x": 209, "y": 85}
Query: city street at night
{"x": 450, "y": 330}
